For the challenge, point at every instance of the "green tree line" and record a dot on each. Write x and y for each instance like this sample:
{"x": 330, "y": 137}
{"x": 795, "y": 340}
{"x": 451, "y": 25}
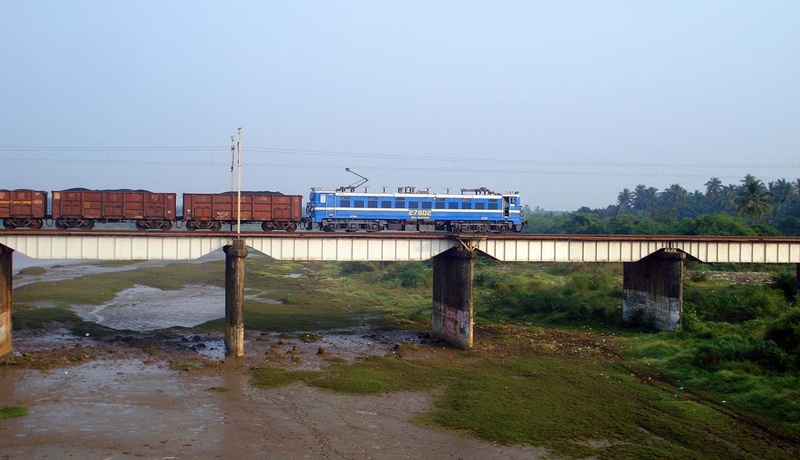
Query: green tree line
{"x": 749, "y": 208}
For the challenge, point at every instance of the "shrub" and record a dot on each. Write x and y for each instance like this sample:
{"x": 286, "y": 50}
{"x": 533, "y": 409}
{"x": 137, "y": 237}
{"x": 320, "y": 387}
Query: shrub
{"x": 699, "y": 276}
{"x": 352, "y": 268}
{"x": 718, "y": 351}
{"x": 768, "y": 354}
{"x": 411, "y": 275}
{"x": 785, "y": 281}
{"x": 734, "y": 304}
{"x": 785, "y": 333}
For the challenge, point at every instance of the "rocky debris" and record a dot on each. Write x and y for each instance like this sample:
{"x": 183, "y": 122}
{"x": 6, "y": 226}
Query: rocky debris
{"x": 743, "y": 277}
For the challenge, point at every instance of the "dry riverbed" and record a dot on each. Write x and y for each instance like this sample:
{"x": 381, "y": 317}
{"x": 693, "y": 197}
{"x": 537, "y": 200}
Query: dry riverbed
{"x": 142, "y": 397}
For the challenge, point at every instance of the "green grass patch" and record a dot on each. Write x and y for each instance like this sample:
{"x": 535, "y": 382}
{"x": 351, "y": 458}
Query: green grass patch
{"x": 186, "y": 366}
{"x": 116, "y": 263}
{"x": 32, "y": 271}
{"x": 13, "y": 411}
{"x": 575, "y": 408}
{"x": 375, "y": 374}
{"x": 27, "y": 317}
{"x": 269, "y": 377}
{"x": 100, "y": 288}
{"x": 378, "y": 374}
{"x": 769, "y": 397}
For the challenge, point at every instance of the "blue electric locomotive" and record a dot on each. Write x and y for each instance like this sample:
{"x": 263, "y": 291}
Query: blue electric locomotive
{"x": 471, "y": 211}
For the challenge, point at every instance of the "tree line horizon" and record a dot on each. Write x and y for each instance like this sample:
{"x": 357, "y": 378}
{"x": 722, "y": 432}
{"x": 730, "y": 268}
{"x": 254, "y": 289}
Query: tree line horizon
{"x": 750, "y": 208}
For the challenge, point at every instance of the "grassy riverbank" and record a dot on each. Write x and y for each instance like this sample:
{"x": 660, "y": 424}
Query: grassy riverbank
{"x": 553, "y": 366}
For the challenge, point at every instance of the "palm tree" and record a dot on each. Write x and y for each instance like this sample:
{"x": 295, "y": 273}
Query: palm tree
{"x": 727, "y": 197}
{"x": 713, "y": 188}
{"x": 638, "y": 194}
{"x": 782, "y": 192}
{"x": 713, "y": 192}
{"x": 674, "y": 195}
{"x": 645, "y": 197}
{"x": 754, "y": 199}
{"x": 624, "y": 200}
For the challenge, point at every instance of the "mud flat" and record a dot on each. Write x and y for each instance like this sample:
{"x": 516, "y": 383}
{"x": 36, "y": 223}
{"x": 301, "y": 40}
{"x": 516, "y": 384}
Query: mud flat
{"x": 124, "y": 401}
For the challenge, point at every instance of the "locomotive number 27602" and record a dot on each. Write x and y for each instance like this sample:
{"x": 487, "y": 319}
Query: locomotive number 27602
{"x": 419, "y": 212}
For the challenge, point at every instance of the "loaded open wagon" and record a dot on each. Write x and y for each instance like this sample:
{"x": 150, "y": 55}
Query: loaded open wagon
{"x": 273, "y": 210}
{"x": 23, "y": 208}
{"x": 82, "y": 208}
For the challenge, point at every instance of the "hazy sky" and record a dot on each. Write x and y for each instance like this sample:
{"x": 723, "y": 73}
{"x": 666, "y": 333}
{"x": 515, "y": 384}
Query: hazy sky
{"x": 567, "y": 102}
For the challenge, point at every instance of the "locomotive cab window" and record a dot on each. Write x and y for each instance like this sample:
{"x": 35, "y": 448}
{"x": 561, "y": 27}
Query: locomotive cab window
{"x": 400, "y": 203}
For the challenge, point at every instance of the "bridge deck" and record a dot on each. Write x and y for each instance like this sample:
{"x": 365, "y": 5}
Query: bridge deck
{"x": 397, "y": 246}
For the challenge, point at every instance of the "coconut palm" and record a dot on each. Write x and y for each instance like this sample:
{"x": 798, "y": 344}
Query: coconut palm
{"x": 714, "y": 192}
{"x": 754, "y": 200}
{"x": 713, "y": 188}
{"x": 727, "y": 197}
{"x": 674, "y": 195}
{"x": 624, "y": 200}
{"x": 637, "y": 196}
{"x": 644, "y": 197}
{"x": 782, "y": 192}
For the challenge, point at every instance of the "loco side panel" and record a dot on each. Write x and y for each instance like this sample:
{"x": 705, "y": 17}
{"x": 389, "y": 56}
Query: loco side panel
{"x": 481, "y": 212}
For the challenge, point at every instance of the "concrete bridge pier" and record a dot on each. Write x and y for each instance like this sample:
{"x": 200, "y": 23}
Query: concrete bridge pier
{"x": 5, "y": 299}
{"x": 653, "y": 288}
{"x": 452, "y": 296}
{"x": 234, "y": 298}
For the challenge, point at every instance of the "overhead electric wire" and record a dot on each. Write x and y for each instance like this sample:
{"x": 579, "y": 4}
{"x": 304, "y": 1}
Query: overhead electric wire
{"x": 332, "y": 153}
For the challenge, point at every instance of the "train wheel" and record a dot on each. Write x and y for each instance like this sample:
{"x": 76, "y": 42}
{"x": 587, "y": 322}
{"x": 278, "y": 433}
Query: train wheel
{"x": 141, "y": 225}
{"x": 215, "y": 226}
{"x": 36, "y": 224}
{"x": 9, "y": 224}
{"x": 291, "y": 227}
{"x": 61, "y": 224}
{"x": 267, "y": 226}
{"x": 191, "y": 225}
{"x": 166, "y": 226}
{"x": 87, "y": 224}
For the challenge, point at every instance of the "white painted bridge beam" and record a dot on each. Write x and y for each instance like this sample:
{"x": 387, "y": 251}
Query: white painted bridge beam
{"x": 323, "y": 247}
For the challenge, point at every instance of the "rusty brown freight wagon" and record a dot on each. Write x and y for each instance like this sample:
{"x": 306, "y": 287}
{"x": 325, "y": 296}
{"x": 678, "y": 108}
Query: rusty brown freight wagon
{"x": 81, "y": 208}
{"x": 273, "y": 210}
{"x": 23, "y": 208}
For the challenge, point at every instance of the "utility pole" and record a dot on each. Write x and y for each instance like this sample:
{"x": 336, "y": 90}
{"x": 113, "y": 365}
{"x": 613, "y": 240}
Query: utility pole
{"x": 239, "y": 192}
{"x": 233, "y": 155}
{"x": 234, "y": 273}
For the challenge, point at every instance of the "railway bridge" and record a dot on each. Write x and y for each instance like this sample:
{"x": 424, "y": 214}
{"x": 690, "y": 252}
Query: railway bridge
{"x": 652, "y": 274}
